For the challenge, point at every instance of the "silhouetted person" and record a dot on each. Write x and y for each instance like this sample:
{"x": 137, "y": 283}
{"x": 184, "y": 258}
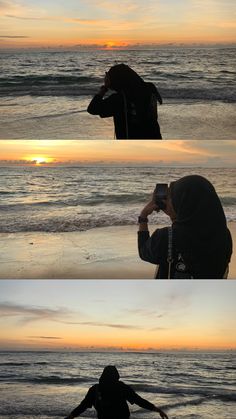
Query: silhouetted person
{"x": 110, "y": 397}
{"x": 201, "y": 242}
{"x": 133, "y": 106}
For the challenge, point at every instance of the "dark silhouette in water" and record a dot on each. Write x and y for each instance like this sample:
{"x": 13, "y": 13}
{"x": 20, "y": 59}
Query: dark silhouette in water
{"x": 133, "y": 106}
{"x": 201, "y": 242}
{"x": 110, "y": 397}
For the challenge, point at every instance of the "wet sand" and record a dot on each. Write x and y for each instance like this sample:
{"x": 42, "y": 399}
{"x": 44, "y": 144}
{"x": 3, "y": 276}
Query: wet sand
{"x": 191, "y": 120}
{"x": 101, "y": 253}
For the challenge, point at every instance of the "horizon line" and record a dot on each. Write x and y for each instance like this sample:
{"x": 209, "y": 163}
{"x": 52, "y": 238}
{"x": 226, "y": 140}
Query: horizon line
{"x": 135, "y": 46}
{"x": 151, "y": 351}
{"x": 125, "y": 164}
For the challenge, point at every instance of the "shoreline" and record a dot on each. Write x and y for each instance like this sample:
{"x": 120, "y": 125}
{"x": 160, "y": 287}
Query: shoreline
{"x": 100, "y": 253}
{"x": 190, "y": 120}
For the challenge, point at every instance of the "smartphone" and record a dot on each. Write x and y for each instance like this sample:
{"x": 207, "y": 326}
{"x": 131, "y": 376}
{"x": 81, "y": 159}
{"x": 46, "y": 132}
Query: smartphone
{"x": 161, "y": 193}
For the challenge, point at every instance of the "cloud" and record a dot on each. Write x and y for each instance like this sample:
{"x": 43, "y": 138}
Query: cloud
{"x": 26, "y": 17}
{"x": 12, "y": 7}
{"x": 178, "y": 299}
{"x": 145, "y": 313}
{"x": 114, "y": 6}
{"x": 14, "y": 36}
{"x": 24, "y": 162}
{"x": 29, "y": 314}
{"x": 44, "y": 337}
{"x": 154, "y": 329}
{"x": 111, "y": 325}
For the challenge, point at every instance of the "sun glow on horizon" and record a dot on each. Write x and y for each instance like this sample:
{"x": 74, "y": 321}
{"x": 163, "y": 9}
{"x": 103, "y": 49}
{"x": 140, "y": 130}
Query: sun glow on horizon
{"x": 117, "y": 316}
{"x": 115, "y": 45}
{"x": 39, "y": 160}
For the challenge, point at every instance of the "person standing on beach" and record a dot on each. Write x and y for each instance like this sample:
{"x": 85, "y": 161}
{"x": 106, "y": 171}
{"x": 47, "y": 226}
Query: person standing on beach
{"x": 198, "y": 245}
{"x": 133, "y": 106}
{"x": 110, "y": 397}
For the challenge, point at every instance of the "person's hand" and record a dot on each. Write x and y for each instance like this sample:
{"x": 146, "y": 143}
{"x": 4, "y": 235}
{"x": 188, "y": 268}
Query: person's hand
{"x": 148, "y": 209}
{"x": 107, "y": 81}
{"x": 161, "y": 413}
{"x": 103, "y": 89}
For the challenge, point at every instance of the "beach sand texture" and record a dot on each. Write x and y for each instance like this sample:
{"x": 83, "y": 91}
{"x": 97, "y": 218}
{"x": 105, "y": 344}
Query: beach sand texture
{"x": 101, "y": 253}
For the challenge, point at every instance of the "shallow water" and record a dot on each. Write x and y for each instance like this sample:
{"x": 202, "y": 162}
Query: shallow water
{"x": 57, "y": 199}
{"x": 181, "y": 73}
{"x": 187, "y": 385}
{"x": 45, "y": 95}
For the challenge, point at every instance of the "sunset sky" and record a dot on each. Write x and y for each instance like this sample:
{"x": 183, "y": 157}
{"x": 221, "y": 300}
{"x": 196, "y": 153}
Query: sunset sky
{"x": 117, "y": 315}
{"x": 112, "y": 24}
{"x": 163, "y": 153}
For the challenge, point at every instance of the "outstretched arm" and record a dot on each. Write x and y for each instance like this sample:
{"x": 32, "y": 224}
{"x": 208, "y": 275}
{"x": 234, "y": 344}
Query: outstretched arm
{"x": 145, "y": 404}
{"x": 133, "y": 397}
{"x": 85, "y": 404}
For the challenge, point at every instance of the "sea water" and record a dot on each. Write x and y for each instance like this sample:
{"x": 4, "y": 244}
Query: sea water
{"x": 60, "y": 199}
{"x": 187, "y": 385}
{"x": 45, "y": 94}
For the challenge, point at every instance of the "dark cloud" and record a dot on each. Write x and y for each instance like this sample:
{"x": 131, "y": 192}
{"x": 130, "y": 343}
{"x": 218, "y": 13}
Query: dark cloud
{"x": 25, "y": 17}
{"x": 25, "y": 162}
{"x": 44, "y": 337}
{"x": 28, "y": 314}
{"x": 14, "y": 36}
{"x": 7, "y": 162}
{"x": 112, "y": 325}
{"x": 102, "y": 324}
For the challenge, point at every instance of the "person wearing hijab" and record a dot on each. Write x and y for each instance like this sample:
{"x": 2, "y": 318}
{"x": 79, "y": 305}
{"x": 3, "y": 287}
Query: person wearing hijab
{"x": 200, "y": 242}
{"x": 110, "y": 397}
{"x": 133, "y": 106}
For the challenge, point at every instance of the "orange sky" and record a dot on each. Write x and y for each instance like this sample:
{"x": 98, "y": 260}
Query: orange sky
{"x": 175, "y": 152}
{"x": 102, "y": 22}
{"x": 133, "y": 315}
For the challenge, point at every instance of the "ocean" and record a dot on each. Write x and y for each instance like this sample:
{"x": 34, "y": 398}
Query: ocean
{"x": 45, "y": 94}
{"x": 187, "y": 385}
{"x": 63, "y": 198}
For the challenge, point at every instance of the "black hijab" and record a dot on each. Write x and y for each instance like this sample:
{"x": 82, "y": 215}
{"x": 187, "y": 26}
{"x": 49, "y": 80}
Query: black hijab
{"x": 123, "y": 77}
{"x": 200, "y": 231}
{"x": 127, "y": 82}
{"x": 109, "y": 375}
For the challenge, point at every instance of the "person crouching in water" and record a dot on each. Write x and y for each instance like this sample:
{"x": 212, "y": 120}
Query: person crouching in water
{"x": 133, "y": 106}
{"x": 110, "y": 397}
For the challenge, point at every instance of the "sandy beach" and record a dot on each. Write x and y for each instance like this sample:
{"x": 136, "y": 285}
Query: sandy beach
{"x": 101, "y": 253}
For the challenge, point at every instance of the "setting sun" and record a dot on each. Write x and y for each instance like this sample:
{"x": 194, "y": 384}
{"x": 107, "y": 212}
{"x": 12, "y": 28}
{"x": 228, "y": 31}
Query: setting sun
{"x": 39, "y": 160}
{"x": 115, "y": 45}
